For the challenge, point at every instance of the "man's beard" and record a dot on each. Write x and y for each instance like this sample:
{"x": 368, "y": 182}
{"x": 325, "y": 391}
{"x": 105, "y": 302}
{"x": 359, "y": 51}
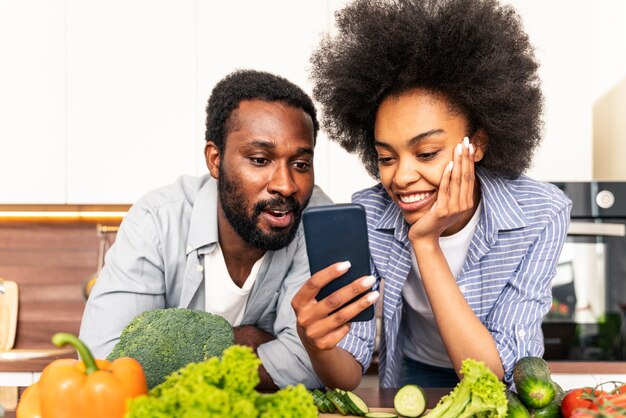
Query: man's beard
{"x": 234, "y": 204}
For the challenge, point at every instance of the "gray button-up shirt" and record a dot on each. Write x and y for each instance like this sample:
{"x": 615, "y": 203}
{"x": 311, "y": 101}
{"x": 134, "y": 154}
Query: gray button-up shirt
{"x": 155, "y": 262}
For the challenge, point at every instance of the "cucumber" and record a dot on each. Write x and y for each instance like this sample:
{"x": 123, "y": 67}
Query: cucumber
{"x": 380, "y": 415}
{"x": 319, "y": 400}
{"x": 534, "y": 385}
{"x": 356, "y": 404}
{"x": 344, "y": 398}
{"x": 515, "y": 407}
{"x": 330, "y": 407}
{"x": 337, "y": 400}
{"x": 553, "y": 410}
{"x": 410, "y": 401}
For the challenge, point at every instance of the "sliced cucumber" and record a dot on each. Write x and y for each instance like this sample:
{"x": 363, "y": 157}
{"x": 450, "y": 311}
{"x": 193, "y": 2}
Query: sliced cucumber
{"x": 380, "y": 415}
{"x": 319, "y": 400}
{"x": 344, "y": 397}
{"x": 410, "y": 401}
{"x": 329, "y": 405}
{"x": 337, "y": 400}
{"x": 357, "y": 404}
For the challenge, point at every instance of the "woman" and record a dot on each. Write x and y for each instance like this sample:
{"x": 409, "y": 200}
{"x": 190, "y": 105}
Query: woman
{"x": 441, "y": 100}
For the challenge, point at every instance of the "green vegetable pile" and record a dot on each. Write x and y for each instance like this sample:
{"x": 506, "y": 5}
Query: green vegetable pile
{"x": 478, "y": 394}
{"x": 164, "y": 340}
{"x": 221, "y": 388}
{"x": 537, "y": 394}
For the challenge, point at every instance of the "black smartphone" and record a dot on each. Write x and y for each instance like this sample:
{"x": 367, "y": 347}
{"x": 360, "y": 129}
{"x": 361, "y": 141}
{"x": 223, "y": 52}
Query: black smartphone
{"x": 335, "y": 233}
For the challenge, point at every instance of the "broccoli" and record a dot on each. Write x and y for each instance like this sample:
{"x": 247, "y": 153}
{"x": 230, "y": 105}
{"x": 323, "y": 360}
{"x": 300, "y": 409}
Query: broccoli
{"x": 479, "y": 393}
{"x": 221, "y": 388}
{"x": 164, "y": 340}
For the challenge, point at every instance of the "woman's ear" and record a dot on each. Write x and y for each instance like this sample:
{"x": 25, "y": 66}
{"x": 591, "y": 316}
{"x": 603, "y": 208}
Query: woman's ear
{"x": 481, "y": 143}
{"x": 212, "y": 157}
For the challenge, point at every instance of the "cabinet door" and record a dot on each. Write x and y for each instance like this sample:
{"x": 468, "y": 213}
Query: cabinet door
{"x": 131, "y": 97}
{"x": 276, "y": 36}
{"x": 32, "y": 101}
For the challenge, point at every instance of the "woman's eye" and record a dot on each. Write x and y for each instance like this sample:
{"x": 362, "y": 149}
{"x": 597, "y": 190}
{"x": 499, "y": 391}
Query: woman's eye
{"x": 385, "y": 160}
{"x": 427, "y": 155}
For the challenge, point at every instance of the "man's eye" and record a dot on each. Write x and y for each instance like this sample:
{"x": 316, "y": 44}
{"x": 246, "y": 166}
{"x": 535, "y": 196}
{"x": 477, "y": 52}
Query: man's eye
{"x": 259, "y": 160}
{"x": 302, "y": 165}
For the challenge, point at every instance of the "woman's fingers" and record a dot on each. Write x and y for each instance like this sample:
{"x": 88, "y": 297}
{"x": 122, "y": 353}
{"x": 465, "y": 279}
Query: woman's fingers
{"x": 455, "y": 179}
{"x": 311, "y": 287}
{"x": 327, "y": 332}
{"x": 467, "y": 176}
{"x": 443, "y": 195}
{"x": 316, "y": 311}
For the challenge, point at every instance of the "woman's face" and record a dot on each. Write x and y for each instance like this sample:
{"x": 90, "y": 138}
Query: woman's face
{"x": 415, "y": 137}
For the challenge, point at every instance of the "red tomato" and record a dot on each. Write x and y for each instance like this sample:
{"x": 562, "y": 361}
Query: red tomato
{"x": 613, "y": 403}
{"x": 579, "y": 398}
{"x": 581, "y": 414}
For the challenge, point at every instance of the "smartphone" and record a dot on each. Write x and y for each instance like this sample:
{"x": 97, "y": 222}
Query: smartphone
{"x": 335, "y": 233}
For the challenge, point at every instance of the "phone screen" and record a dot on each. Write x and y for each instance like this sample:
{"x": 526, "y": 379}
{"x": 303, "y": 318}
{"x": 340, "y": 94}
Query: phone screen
{"x": 335, "y": 233}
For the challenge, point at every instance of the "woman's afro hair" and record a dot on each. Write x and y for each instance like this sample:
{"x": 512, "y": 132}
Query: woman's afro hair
{"x": 475, "y": 53}
{"x": 249, "y": 85}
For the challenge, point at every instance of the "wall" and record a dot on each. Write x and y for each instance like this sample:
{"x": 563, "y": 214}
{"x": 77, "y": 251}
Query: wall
{"x": 50, "y": 262}
{"x": 104, "y": 100}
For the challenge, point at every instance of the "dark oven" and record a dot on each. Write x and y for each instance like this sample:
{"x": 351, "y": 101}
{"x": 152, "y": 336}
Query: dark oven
{"x": 586, "y": 320}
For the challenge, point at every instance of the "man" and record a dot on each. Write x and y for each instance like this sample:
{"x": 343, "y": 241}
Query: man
{"x": 228, "y": 242}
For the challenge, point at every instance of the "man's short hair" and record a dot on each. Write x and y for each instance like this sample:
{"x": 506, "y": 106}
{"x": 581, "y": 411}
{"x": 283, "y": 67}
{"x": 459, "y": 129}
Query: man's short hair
{"x": 249, "y": 85}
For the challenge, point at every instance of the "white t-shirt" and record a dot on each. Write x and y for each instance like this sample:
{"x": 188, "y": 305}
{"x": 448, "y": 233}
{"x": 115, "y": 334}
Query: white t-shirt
{"x": 223, "y": 296}
{"x": 423, "y": 342}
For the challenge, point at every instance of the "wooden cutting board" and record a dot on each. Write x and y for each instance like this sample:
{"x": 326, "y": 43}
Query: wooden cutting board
{"x": 393, "y": 411}
{"x": 8, "y": 315}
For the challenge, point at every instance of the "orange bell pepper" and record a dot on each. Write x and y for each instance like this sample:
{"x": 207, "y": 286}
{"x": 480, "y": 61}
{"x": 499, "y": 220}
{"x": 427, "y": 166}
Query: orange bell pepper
{"x": 83, "y": 389}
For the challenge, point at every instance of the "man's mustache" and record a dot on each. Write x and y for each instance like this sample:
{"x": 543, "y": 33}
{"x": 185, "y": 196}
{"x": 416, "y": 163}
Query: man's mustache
{"x": 277, "y": 203}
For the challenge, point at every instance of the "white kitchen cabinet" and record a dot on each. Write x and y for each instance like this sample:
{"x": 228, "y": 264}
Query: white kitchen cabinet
{"x": 276, "y": 36}
{"x": 131, "y": 97}
{"x": 32, "y": 99}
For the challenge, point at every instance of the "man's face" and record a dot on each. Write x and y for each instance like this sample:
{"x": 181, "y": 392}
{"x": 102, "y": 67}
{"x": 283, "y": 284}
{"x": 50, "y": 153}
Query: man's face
{"x": 265, "y": 172}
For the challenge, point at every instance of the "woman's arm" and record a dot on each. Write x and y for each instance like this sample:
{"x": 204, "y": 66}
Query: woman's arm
{"x": 462, "y": 333}
{"x": 320, "y": 332}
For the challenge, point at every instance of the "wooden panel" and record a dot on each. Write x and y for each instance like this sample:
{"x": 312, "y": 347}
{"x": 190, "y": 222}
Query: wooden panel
{"x": 50, "y": 263}
{"x": 584, "y": 367}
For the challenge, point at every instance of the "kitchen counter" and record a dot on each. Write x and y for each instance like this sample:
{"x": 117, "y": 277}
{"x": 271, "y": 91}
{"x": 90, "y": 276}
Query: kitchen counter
{"x": 373, "y": 397}
{"x": 568, "y": 374}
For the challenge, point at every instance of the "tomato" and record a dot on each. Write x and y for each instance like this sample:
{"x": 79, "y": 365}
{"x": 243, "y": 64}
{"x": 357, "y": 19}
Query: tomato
{"x": 581, "y": 414}
{"x": 612, "y": 403}
{"x": 580, "y": 398}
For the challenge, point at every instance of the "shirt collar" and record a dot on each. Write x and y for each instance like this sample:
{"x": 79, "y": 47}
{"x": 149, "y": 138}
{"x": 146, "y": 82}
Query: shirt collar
{"x": 500, "y": 209}
{"x": 500, "y": 206}
{"x": 203, "y": 226}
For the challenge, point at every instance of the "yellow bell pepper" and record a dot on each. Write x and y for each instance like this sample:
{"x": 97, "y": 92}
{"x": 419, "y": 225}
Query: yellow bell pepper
{"x": 82, "y": 389}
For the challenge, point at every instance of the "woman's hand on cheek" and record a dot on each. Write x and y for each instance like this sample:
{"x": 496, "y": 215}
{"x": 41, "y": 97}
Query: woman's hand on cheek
{"x": 455, "y": 196}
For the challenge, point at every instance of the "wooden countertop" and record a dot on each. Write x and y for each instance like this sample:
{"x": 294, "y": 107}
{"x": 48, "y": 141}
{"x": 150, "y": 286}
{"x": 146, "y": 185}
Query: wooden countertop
{"x": 35, "y": 364}
{"x": 373, "y": 397}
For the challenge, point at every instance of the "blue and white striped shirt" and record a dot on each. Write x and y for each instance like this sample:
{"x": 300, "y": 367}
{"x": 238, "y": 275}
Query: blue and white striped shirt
{"x": 506, "y": 278}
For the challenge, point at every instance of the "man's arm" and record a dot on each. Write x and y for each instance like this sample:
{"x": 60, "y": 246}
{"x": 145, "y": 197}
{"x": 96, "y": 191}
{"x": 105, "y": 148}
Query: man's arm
{"x": 132, "y": 281}
{"x": 253, "y": 337}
